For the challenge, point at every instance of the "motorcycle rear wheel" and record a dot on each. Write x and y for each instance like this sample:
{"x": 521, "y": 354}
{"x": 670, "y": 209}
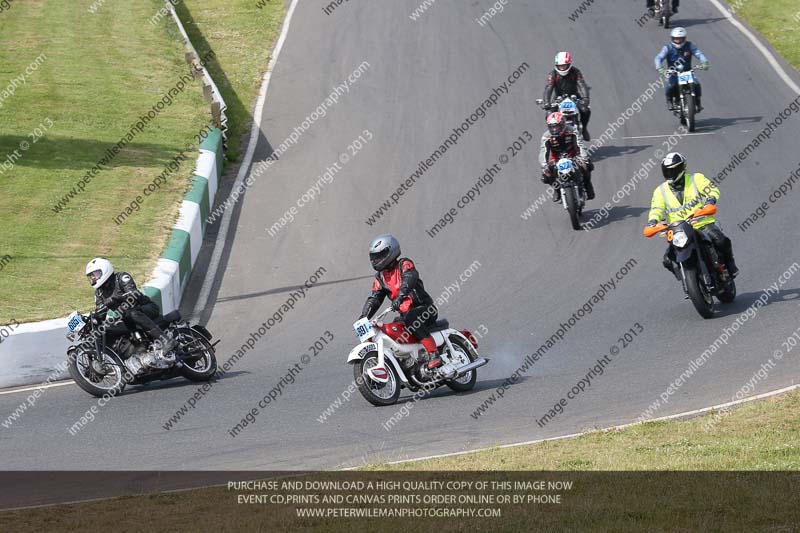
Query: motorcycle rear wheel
{"x": 468, "y": 380}
{"x": 703, "y": 302}
{"x": 204, "y": 367}
{"x": 380, "y": 394}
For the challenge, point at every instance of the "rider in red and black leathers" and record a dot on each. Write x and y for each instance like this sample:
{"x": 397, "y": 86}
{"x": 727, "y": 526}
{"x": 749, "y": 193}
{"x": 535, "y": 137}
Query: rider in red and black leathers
{"x": 397, "y": 278}
{"x": 560, "y": 141}
{"x": 566, "y": 80}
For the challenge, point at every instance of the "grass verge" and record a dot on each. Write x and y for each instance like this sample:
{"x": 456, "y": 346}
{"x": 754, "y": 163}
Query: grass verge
{"x": 760, "y": 436}
{"x": 777, "y": 20}
{"x": 242, "y": 34}
{"x": 100, "y": 69}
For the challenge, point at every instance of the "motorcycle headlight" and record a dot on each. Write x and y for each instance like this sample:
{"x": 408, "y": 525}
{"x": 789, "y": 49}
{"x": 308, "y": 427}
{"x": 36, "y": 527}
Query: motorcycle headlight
{"x": 679, "y": 239}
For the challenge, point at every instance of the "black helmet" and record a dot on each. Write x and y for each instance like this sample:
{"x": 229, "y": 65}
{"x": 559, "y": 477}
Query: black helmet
{"x": 383, "y": 251}
{"x": 674, "y": 168}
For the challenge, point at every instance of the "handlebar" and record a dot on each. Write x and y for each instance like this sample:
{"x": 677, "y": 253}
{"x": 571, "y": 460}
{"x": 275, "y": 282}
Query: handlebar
{"x": 705, "y": 211}
{"x": 672, "y": 71}
{"x": 557, "y": 101}
{"x": 381, "y": 315}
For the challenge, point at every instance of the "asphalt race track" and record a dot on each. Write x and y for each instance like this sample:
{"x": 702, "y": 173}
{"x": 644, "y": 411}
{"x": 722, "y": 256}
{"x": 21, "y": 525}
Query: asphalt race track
{"x": 423, "y": 79}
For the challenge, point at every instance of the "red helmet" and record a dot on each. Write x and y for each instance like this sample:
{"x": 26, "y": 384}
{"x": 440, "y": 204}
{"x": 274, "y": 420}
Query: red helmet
{"x": 556, "y": 123}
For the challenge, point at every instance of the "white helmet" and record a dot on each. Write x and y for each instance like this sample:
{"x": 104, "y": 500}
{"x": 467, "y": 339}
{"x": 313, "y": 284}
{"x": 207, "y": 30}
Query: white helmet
{"x": 678, "y": 37}
{"x": 98, "y": 270}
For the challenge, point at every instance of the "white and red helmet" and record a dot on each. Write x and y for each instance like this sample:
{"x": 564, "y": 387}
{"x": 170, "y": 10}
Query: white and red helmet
{"x": 563, "y": 63}
{"x": 556, "y": 123}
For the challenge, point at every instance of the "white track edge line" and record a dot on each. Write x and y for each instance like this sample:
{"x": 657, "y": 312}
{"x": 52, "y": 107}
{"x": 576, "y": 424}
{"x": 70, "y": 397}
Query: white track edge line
{"x": 37, "y": 387}
{"x": 222, "y": 233}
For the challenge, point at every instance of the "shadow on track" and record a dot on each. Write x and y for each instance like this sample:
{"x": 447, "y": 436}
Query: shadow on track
{"x": 688, "y": 23}
{"x": 605, "y": 152}
{"x": 287, "y": 289}
{"x": 714, "y": 124}
{"x": 745, "y": 300}
{"x": 176, "y": 383}
{"x": 616, "y": 214}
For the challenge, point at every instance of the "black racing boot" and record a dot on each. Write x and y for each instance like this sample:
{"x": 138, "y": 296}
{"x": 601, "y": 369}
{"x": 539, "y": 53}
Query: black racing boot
{"x": 589, "y": 189}
{"x": 699, "y": 106}
{"x": 733, "y": 270}
{"x": 586, "y": 136}
{"x": 671, "y": 104}
{"x": 557, "y": 195}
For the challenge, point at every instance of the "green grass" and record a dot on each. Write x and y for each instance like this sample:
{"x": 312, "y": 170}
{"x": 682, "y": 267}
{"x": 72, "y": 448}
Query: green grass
{"x": 763, "y": 437}
{"x": 242, "y": 37}
{"x": 778, "y": 21}
{"x": 102, "y": 71}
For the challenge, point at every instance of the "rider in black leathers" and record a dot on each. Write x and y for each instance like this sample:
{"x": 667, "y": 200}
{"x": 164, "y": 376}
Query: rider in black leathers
{"x": 116, "y": 291}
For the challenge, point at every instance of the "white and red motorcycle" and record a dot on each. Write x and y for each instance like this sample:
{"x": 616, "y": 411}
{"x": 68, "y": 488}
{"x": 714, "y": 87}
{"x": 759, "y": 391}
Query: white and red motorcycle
{"x": 389, "y": 358}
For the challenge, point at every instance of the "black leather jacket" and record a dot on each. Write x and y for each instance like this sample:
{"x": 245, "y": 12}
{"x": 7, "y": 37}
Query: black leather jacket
{"x": 572, "y": 83}
{"x": 118, "y": 293}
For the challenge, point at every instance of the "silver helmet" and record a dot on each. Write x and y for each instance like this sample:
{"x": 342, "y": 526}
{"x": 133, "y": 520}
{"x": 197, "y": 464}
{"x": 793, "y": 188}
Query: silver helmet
{"x": 384, "y": 250}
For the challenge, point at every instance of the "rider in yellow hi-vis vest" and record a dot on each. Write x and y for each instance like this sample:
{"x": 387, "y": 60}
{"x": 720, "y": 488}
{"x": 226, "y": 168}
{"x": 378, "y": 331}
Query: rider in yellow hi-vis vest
{"x": 681, "y": 195}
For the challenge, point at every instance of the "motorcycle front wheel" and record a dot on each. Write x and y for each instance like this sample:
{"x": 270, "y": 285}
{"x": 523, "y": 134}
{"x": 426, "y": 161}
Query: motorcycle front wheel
{"x": 379, "y": 394}
{"x": 102, "y": 377}
{"x": 702, "y": 300}
{"x": 691, "y": 110}
{"x": 572, "y": 206}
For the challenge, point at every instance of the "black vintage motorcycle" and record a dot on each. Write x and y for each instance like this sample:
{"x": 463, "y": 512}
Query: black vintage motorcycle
{"x": 685, "y": 104}
{"x": 702, "y": 272}
{"x": 662, "y": 12}
{"x": 106, "y": 355}
{"x": 567, "y": 106}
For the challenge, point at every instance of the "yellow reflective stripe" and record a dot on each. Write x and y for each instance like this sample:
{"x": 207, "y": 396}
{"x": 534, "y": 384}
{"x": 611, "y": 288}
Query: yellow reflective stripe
{"x": 686, "y": 205}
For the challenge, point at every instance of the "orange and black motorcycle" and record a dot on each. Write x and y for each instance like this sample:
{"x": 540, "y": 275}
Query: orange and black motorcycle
{"x": 702, "y": 271}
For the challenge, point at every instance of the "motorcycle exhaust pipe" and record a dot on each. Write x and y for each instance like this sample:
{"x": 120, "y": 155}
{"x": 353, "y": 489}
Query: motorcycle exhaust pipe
{"x": 471, "y": 366}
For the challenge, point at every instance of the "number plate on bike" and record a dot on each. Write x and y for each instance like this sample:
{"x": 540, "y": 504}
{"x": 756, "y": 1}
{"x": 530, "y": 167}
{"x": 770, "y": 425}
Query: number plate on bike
{"x": 75, "y": 323}
{"x": 364, "y": 330}
{"x": 685, "y": 77}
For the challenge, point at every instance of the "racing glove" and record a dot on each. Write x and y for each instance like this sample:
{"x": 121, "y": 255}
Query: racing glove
{"x": 652, "y": 223}
{"x": 662, "y": 70}
{"x": 711, "y": 200}
{"x": 706, "y": 65}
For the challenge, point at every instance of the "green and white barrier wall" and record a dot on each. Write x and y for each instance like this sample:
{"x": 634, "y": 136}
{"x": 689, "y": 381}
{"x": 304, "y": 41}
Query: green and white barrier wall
{"x": 171, "y": 274}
